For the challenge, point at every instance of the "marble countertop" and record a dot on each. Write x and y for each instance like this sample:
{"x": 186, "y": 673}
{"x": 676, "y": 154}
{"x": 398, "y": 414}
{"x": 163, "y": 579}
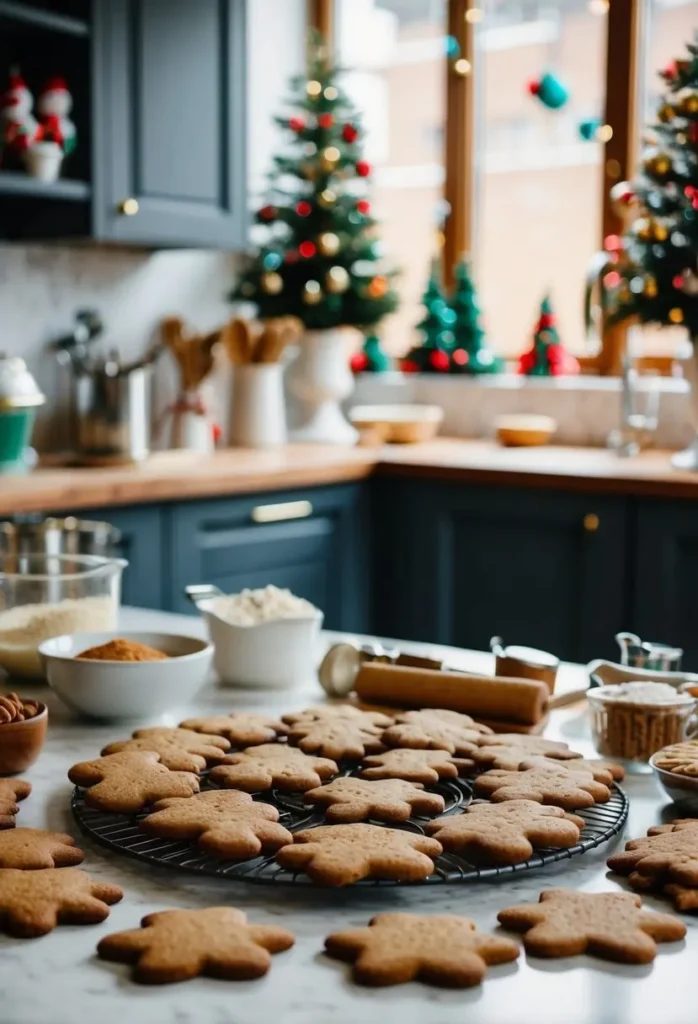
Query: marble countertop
{"x": 57, "y": 979}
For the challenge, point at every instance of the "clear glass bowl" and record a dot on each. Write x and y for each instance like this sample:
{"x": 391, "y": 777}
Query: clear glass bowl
{"x": 632, "y": 732}
{"x": 42, "y": 596}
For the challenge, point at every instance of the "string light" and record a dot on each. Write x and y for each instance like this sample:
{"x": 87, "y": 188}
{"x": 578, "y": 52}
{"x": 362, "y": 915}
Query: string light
{"x": 313, "y": 88}
{"x": 462, "y": 67}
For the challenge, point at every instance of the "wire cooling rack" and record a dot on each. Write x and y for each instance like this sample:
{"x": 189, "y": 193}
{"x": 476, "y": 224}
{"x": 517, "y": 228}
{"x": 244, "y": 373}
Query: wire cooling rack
{"x": 122, "y": 834}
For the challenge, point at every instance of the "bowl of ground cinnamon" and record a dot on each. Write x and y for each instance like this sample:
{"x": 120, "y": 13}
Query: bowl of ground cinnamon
{"x": 128, "y": 675}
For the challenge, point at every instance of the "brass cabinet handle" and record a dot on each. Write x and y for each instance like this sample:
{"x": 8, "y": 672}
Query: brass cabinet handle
{"x": 591, "y": 522}
{"x": 129, "y": 207}
{"x": 280, "y": 511}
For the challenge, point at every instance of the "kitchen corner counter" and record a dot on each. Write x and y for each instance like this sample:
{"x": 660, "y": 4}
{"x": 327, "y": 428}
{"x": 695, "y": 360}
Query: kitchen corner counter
{"x": 185, "y": 475}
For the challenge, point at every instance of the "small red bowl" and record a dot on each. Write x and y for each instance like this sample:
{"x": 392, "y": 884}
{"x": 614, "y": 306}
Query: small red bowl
{"x": 21, "y": 742}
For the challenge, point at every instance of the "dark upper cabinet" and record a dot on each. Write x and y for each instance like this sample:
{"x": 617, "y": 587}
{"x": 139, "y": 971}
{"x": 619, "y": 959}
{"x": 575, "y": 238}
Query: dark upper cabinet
{"x": 168, "y": 80}
{"x": 467, "y": 563}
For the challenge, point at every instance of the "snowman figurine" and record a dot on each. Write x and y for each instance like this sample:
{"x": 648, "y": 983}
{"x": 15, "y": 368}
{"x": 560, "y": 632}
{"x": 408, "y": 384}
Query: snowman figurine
{"x": 18, "y": 126}
{"x": 54, "y": 105}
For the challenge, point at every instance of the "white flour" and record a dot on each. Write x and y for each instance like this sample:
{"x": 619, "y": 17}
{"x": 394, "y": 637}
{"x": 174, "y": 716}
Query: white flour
{"x": 23, "y": 628}
{"x": 250, "y": 607}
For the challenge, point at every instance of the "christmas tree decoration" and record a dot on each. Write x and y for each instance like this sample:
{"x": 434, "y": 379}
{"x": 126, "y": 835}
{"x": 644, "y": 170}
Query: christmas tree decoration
{"x": 371, "y": 358}
{"x": 471, "y": 354}
{"x": 315, "y": 218}
{"x": 436, "y": 329}
{"x": 547, "y": 357}
{"x": 18, "y": 126}
{"x": 550, "y": 91}
{"x": 623, "y": 197}
{"x": 56, "y": 102}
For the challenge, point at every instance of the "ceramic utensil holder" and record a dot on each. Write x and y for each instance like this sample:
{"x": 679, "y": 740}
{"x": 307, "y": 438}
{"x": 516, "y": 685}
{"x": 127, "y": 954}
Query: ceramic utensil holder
{"x": 259, "y": 412}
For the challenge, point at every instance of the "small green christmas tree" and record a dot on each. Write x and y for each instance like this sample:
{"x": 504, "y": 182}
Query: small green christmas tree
{"x": 433, "y": 355}
{"x": 371, "y": 357}
{"x": 471, "y": 354}
{"x": 547, "y": 356}
{"x": 321, "y": 259}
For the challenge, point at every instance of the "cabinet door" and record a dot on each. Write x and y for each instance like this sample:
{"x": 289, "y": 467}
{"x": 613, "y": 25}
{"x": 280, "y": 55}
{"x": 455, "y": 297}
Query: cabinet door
{"x": 665, "y": 566}
{"x": 321, "y": 556}
{"x": 169, "y": 122}
{"x": 529, "y": 566}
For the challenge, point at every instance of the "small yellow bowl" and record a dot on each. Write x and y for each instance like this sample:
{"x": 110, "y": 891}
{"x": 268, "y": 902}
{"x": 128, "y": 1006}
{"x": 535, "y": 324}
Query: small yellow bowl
{"x": 523, "y": 430}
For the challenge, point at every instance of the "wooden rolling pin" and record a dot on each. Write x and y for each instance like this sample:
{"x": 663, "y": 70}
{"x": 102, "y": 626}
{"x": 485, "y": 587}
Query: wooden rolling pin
{"x": 505, "y": 699}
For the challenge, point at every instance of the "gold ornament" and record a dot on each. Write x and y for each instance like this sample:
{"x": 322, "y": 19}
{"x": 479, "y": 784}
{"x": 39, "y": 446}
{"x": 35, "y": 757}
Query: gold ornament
{"x": 329, "y": 158}
{"x": 676, "y": 315}
{"x": 337, "y": 280}
{"x": 650, "y": 288}
{"x": 328, "y": 243}
{"x": 309, "y": 170}
{"x": 624, "y": 295}
{"x": 313, "y": 88}
{"x": 658, "y": 165}
{"x": 312, "y": 293}
{"x": 331, "y": 93}
{"x": 272, "y": 283}
{"x": 327, "y": 198}
{"x": 689, "y": 103}
{"x": 666, "y": 112}
{"x": 660, "y": 233}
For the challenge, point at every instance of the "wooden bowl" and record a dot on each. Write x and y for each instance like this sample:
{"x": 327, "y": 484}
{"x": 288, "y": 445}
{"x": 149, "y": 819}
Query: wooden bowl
{"x": 397, "y": 424}
{"x": 21, "y": 742}
{"x": 521, "y": 430}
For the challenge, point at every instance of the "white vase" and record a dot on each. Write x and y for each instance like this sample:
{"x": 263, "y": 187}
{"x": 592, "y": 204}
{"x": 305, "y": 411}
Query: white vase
{"x": 688, "y": 458}
{"x": 259, "y": 409}
{"x": 319, "y": 379}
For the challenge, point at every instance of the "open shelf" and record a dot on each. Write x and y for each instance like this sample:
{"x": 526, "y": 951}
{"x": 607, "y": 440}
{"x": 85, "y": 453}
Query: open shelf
{"x": 42, "y": 18}
{"x": 17, "y": 184}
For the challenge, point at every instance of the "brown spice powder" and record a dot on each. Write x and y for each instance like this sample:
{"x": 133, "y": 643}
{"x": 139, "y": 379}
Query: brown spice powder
{"x": 122, "y": 650}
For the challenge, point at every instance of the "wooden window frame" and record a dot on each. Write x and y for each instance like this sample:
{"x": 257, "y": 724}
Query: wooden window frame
{"x": 623, "y": 62}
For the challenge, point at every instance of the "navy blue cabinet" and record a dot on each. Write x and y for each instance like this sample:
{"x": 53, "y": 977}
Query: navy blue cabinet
{"x": 146, "y": 580}
{"x": 314, "y": 542}
{"x": 466, "y": 563}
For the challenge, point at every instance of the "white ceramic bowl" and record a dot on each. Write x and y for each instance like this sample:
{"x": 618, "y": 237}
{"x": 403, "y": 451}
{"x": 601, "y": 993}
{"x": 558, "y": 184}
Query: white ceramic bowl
{"x": 120, "y": 689}
{"x": 279, "y": 654}
{"x": 682, "y": 789}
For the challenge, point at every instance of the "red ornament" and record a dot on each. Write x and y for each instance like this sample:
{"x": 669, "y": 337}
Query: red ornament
{"x": 307, "y": 249}
{"x": 303, "y": 208}
{"x": 267, "y": 213}
{"x": 359, "y": 362}
{"x": 612, "y": 243}
{"x": 694, "y": 202}
{"x": 670, "y": 70}
{"x": 612, "y": 279}
{"x": 363, "y": 206}
{"x": 325, "y": 121}
{"x": 677, "y": 281}
{"x": 409, "y": 366}
{"x": 350, "y": 133}
{"x": 689, "y": 191}
{"x": 546, "y": 320}
{"x": 438, "y": 360}
{"x": 533, "y": 88}
{"x": 296, "y": 124}
{"x": 363, "y": 168}
{"x": 460, "y": 357}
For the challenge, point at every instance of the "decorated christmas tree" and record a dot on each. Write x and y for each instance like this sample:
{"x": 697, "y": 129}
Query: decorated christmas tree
{"x": 433, "y": 355}
{"x": 320, "y": 260}
{"x": 470, "y": 354}
{"x": 547, "y": 357}
{"x": 655, "y": 278}
{"x": 371, "y": 357}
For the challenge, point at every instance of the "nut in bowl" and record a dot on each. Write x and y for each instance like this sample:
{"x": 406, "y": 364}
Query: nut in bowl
{"x": 23, "y": 724}
{"x": 117, "y": 680}
{"x": 263, "y": 638}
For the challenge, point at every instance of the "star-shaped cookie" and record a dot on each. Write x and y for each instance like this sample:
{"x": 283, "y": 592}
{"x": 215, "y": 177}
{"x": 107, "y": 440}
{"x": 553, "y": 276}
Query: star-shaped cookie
{"x": 667, "y": 854}
{"x": 176, "y": 945}
{"x": 32, "y": 903}
{"x": 506, "y": 833}
{"x": 272, "y": 764}
{"x": 341, "y": 854}
{"x": 180, "y": 749}
{"x": 439, "y": 949}
{"x": 508, "y": 750}
{"x": 227, "y": 824}
{"x": 125, "y": 783}
{"x": 240, "y": 728}
{"x": 11, "y": 792}
{"x": 351, "y": 799}
{"x": 425, "y": 766}
{"x": 611, "y": 925}
{"x": 29, "y": 849}
{"x": 570, "y": 790}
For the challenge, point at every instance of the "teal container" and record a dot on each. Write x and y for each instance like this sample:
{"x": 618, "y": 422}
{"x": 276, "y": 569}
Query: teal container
{"x": 19, "y": 399}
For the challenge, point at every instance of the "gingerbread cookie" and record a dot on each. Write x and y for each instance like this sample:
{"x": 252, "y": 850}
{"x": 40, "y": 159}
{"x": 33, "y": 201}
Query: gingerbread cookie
{"x": 11, "y": 792}
{"x": 29, "y": 849}
{"x": 506, "y": 833}
{"x": 230, "y": 825}
{"x": 508, "y": 750}
{"x": 368, "y": 720}
{"x": 668, "y": 854}
{"x": 272, "y": 764}
{"x": 32, "y": 903}
{"x": 611, "y": 925}
{"x": 176, "y": 945}
{"x": 439, "y": 949}
{"x": 569, "y": 790}
{"x": 126, "y": 783}
{"x": 341, "y": 854}
{"x": 180, "y": 750}
{"x": 601, "y": 771}
{"x": 436, "y": 730}
{"x": 336, "y": 738}
{"x": 679, "y": 758}
{"x": 351, "y": 799}
{"x": 240, "y": 728}
{"x": 425, "y": 766}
